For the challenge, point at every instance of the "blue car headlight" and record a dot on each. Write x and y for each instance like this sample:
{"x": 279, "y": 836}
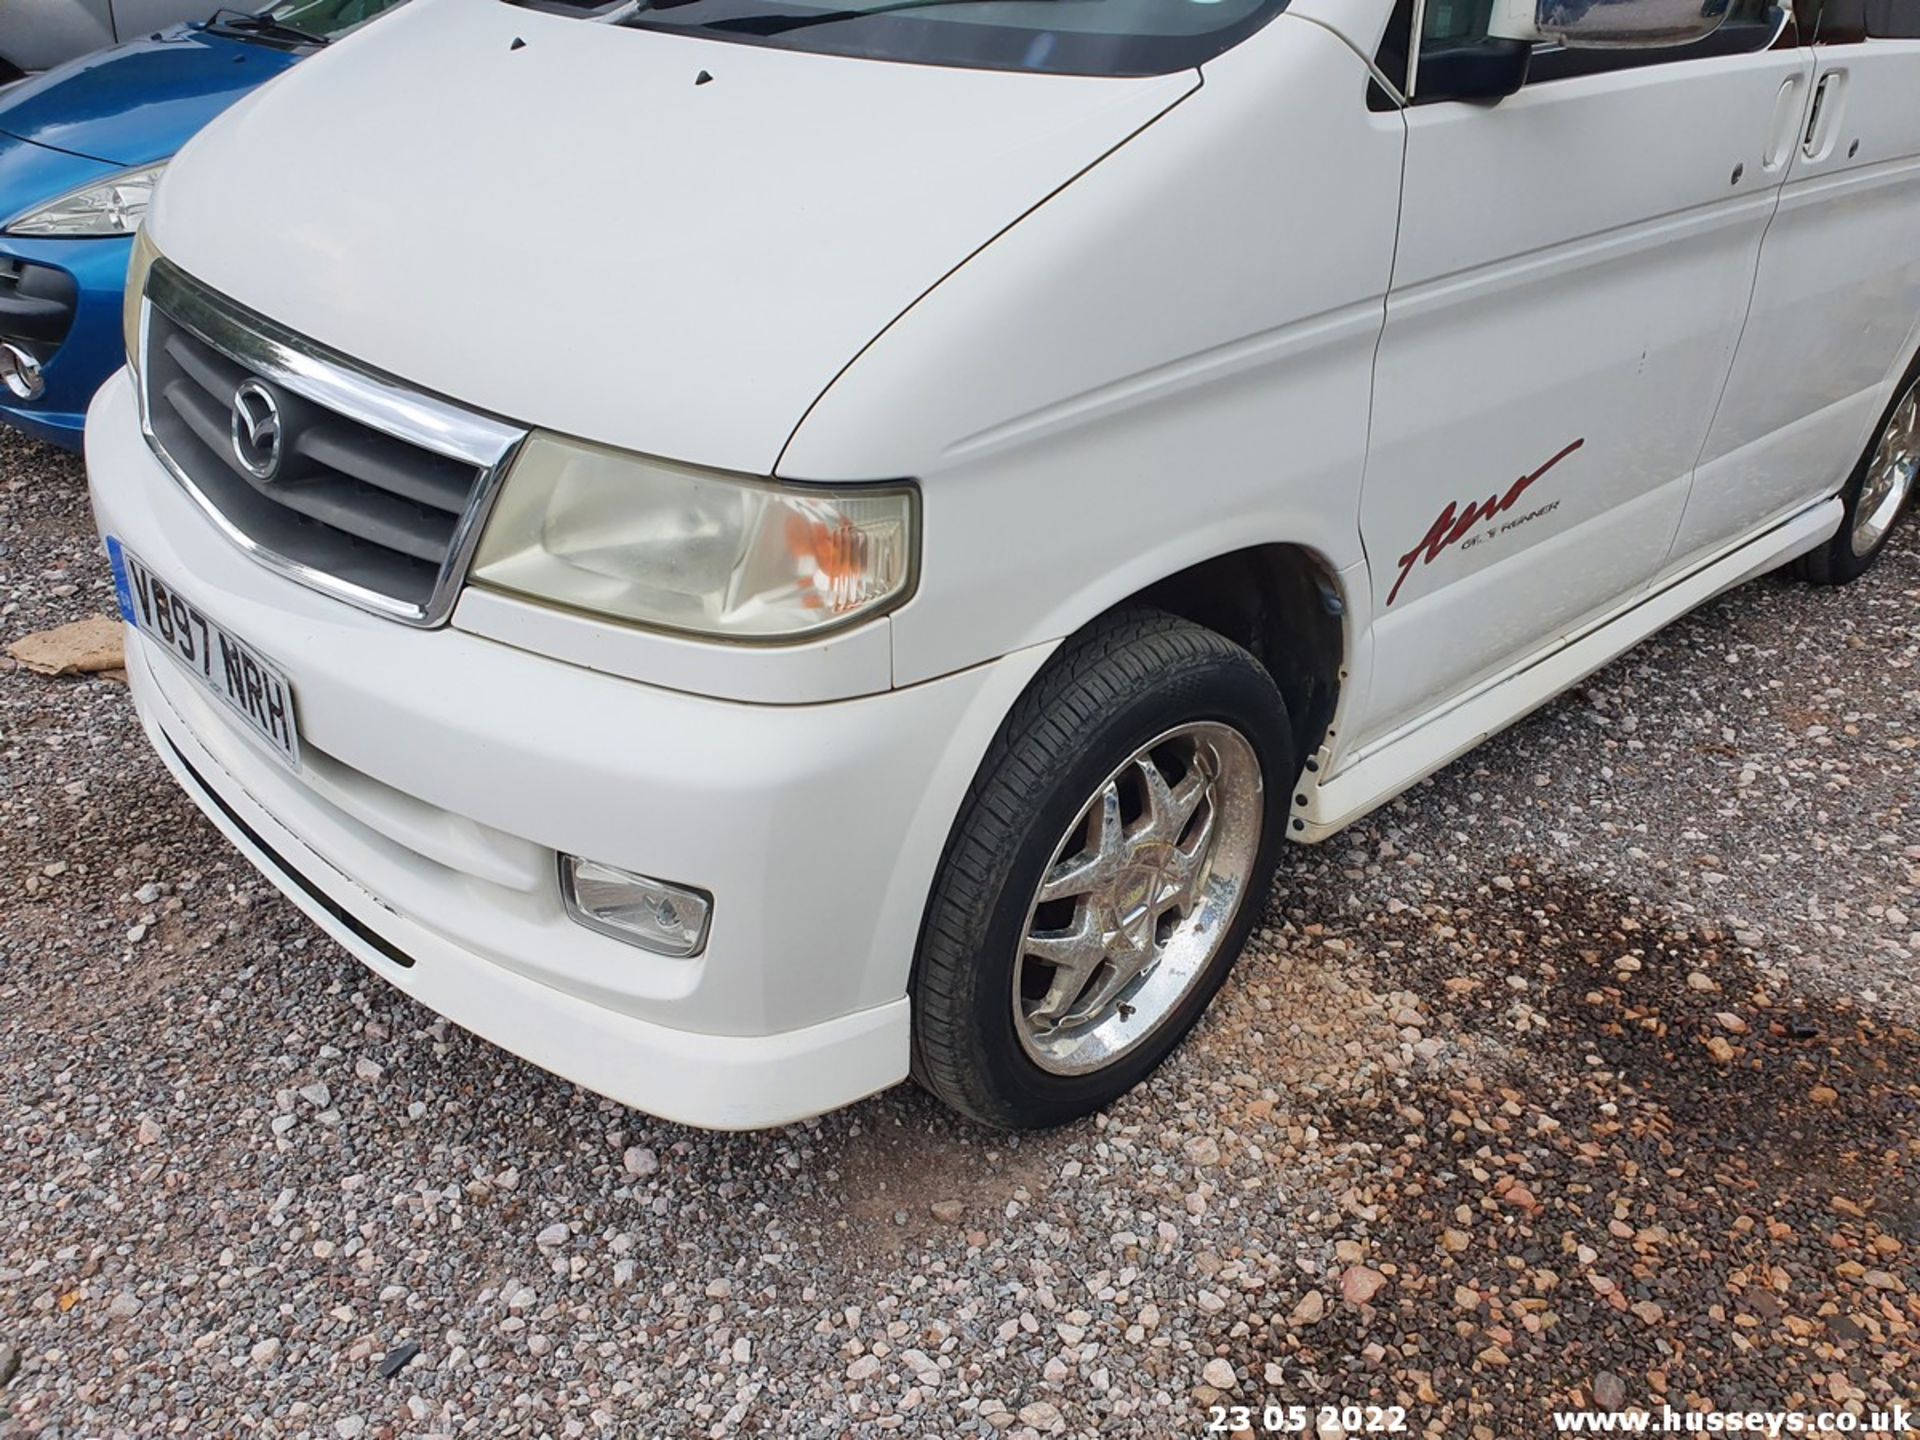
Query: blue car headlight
{"x": 112, "y": 206}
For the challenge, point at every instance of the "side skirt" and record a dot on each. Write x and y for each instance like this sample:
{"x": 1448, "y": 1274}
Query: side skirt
{"x": 1406, "y": 757}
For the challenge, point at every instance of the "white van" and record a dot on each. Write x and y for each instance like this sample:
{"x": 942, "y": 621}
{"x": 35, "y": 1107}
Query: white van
{"x": 749, "y": 549}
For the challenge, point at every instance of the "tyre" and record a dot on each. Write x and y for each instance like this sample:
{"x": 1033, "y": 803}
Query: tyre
{"x": 1103, "y": 874}
{"x": 1880, "y": 488}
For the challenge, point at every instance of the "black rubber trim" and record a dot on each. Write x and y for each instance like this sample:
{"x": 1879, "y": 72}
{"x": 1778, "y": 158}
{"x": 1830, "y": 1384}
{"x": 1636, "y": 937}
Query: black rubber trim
{"x": 28, "y": 317}
{"x": 37, "y": 302}
{"x": 883, "y": 33}
{"x": 313, "y": 892}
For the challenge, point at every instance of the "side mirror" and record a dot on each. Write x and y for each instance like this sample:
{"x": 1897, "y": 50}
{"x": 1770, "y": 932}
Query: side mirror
{"x": 1483, "y": 71}
{"x": 1609, "y": 24}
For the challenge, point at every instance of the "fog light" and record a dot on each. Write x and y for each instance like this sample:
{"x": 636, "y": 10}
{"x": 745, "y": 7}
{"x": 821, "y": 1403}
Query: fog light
{"x": 666, "y": 919}
{"x": 20, "y": 373}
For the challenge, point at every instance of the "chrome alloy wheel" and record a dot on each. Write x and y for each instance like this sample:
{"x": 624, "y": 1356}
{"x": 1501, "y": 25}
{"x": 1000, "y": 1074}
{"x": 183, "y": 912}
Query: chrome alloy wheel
{"x": 1890, "y": 476}
{"x": 1137, "y": 898}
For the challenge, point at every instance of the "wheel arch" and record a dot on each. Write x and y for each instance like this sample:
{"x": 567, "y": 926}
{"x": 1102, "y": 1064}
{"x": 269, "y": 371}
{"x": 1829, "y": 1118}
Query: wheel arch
{"x": 1284, "y": 604}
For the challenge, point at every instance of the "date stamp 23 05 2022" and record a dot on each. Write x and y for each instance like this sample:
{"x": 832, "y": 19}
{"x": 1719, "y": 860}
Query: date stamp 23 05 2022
{"x": 1276, "y": 1418}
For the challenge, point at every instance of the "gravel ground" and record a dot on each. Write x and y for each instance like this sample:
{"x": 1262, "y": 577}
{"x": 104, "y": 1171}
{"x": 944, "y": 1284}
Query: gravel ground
{"x": 1588, "y": 1069}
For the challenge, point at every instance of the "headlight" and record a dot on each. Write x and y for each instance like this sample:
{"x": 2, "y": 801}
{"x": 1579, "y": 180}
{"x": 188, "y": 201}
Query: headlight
{"x": 113, "y": 206}
{"x": 138, "y": 268}
{"x": 663, "y": 545}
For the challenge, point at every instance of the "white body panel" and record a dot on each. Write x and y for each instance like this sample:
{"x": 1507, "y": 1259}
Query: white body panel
{"x": 1396, "y": 761}
{"x": 1534, "y": 309}
{"x": 1111, "y": 329}
{"x": 135, "y": 18}
{"x": 539, "y": 251}
{"x": 1833, "y": 307}
{"x": 1139, "y": 428}
{"x": 450, "y": 843}
{"x": 835, "y": 667}
{"x": 37, "y": 34}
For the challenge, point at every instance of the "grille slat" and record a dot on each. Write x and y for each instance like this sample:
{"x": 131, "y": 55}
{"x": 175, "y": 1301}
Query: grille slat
{"x": 367, "y": 514}
{"x": 205, "y": 366}
{"x": 388, "y": 465}
{"x": 321, "y": 475}
{"x": 205, "y": 417}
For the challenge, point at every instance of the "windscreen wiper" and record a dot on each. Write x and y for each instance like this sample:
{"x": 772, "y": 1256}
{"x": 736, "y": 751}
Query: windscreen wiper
{"x": 780, "y": 24}
{"x": 247, "y": 23}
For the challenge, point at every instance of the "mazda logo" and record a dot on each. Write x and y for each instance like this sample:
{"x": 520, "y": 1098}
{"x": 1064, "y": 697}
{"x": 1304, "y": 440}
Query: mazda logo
{"x": 256, "y": 430}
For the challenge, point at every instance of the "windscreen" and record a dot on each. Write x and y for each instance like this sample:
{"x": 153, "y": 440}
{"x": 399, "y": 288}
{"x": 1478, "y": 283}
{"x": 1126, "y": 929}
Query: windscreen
{"x": 329, "y": 19}
{"x": 1064, "y": 37}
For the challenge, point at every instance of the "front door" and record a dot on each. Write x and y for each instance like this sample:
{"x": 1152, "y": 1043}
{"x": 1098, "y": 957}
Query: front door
{"x": 1573, "y": 270}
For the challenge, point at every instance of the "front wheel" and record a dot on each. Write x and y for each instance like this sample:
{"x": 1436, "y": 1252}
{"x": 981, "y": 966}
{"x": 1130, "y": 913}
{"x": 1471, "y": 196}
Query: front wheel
{"x": 1106, "y": 867}
{"x": 1878, "y": 491}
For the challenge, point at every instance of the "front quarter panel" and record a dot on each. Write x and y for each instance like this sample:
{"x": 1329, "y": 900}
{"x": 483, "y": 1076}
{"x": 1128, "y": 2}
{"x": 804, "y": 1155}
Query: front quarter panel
{"x": 1169, "y": 360}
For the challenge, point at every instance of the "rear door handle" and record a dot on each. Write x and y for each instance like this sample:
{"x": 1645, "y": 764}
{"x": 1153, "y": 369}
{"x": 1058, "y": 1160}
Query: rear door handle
{"x": 1823, "y": 120}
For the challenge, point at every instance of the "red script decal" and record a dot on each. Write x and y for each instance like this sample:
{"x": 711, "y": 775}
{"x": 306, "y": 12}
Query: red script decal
{"x": 1453, "y": 523}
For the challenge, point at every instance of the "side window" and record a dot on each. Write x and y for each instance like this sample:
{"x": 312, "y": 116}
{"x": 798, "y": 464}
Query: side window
{"x": 1450, "y": 22}
{"x": 1842, "y": 22}
{"x": 1893, "y": 19}
{"x": 1751, "y": 25}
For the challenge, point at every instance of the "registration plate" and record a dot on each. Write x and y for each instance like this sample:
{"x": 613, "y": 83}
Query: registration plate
{"x": 226, "y": 667}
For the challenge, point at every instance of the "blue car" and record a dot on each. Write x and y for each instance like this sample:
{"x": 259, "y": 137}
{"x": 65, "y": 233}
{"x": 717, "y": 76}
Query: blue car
{"x": 81, "y": 148}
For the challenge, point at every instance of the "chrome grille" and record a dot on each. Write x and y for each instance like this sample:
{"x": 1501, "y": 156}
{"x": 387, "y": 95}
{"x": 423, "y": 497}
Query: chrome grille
{"x": 332, "y": 474}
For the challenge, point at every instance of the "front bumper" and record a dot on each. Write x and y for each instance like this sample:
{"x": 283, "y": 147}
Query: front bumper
{"x": 443, "y": 772}
{"x": 92, "y": 346}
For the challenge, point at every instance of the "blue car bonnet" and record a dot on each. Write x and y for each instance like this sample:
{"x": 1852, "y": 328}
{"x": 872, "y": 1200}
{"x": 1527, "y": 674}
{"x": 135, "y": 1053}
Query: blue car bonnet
{"x": 136, "y": 103}
{"x": 82, "y": 122}
{"x": 30, "y": 174}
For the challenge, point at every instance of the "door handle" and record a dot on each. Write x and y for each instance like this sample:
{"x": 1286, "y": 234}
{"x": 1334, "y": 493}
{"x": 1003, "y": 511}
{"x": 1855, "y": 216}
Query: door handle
{"x": 1823, "y": 120}
{"x": 1785, "y": 129}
